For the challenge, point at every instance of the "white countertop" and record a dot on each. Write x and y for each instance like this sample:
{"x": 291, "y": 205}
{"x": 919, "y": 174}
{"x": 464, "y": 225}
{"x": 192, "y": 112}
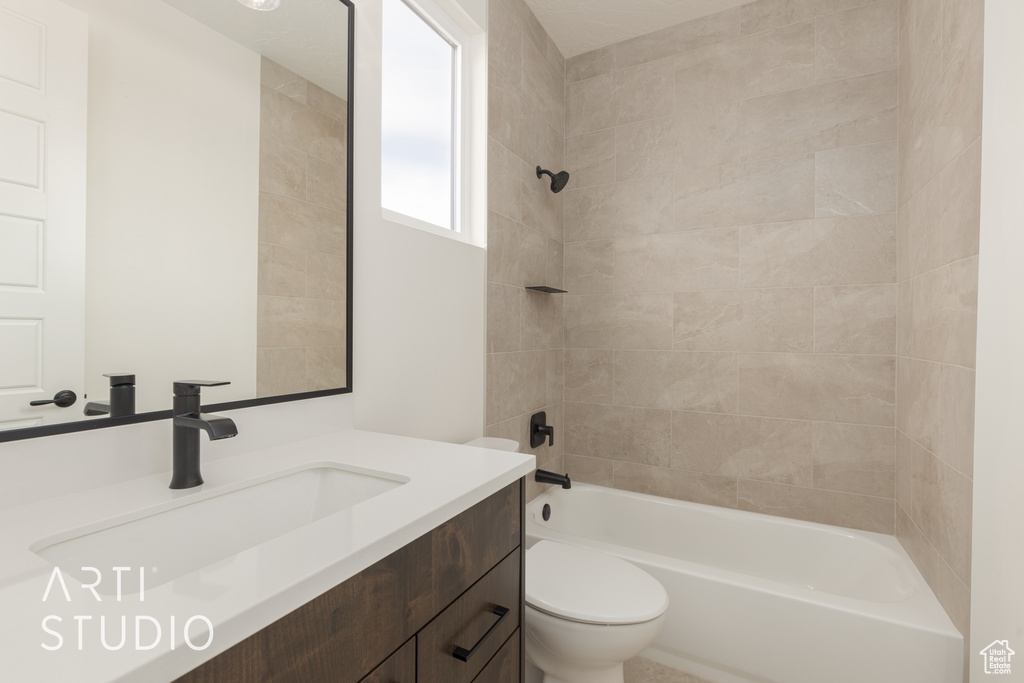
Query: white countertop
{"x": 239, "y": 595}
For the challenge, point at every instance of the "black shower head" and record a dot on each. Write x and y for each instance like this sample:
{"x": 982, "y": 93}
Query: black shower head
{"x": 558, "y": 180}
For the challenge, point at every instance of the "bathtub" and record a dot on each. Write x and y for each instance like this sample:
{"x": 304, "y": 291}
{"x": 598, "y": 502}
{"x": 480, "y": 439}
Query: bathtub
{"x": 761, "y": 599}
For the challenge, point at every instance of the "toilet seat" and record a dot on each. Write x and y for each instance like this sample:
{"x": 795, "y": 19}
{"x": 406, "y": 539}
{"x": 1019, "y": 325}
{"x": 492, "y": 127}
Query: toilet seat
{"x": 590, "y": 587}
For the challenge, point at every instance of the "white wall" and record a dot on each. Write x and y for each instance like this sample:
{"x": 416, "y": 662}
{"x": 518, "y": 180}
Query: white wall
{"x": 419, "y": 318}
{"x": 997, "y": 576}
{"x": 173, "y": 181}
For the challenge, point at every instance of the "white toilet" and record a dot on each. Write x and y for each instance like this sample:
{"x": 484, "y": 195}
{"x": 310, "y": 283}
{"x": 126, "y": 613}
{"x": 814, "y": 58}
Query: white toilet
{"x": 587, "y": 612}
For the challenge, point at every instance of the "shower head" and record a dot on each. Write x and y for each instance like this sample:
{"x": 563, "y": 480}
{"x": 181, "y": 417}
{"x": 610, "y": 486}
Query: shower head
{"x": 558, "y": 180}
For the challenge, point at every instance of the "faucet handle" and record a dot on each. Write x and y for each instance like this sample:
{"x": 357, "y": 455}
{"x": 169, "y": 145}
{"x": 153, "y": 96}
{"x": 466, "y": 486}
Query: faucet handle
{"x": 190, "y": 387}
{"x": 118, "y": 379}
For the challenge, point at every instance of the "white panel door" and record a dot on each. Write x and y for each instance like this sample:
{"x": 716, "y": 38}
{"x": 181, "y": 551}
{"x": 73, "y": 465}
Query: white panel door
{"x": 43, "y": 99}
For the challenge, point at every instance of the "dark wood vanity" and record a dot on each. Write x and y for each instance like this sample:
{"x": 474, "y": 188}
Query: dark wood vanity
{"x": 402, "y": 619}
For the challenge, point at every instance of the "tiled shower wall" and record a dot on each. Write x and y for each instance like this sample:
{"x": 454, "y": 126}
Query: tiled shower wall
{"x": 940, "y": 197}
{"x": 302, "y": 264}
{"x": 730, "y": 253}
{"x": 525, "y": 229}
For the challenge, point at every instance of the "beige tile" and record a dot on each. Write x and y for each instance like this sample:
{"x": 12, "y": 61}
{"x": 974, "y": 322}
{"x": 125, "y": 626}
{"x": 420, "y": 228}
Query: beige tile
{"x": 953, "y": 594}
{"x": 939, "y": 314}
{"x": 905, "y": 450}
{"x": 589, "y": 470}
{"x": 855, "y": 180}
{"x": 588, "y": 375}
{"x": 280, "y": 371}
{"x": 857, "y": 319}
{"x": 590, "y": 64}
{"x": 534, "y": 254}
{"x": 708, "y": 489}
{"x": 622, "y": 433}
{"x": 627, "y": 96}
{"x": 542, "y": 321}
{"x": 590, "y": 267}
{"x": 543, "y": 87}
{"x": 833, "y": 251}
{"x": 854, "y": 458}
{"x": 326, "y": 184}
{"x": 282, "y": 170}
{"x": 920, "y": 240}
{"x": 544, "y": 145}
{"x": 618, "y": 321}
{"x": 301, "y": 127}
{"x": 770, "y": 62}
{"x": 678, "y": 39}
{"x": 854, "y": 111}
{"x": 555, "y": 264}
{"x": 328, "y": 103}
{"x": 640, "y": 670}
{"x": 961, "y": 205}
{"x": 504, "y": 43}
{"x": 675, "y": 380}
{"x": 628, "y": 208}
{"x": 301, "y": 225}
{"x": 505, "y": 113}
{"x": 858, "y": 41}
{"x": 504, "y": 262}
{"x": 854, "y": 389}
{"x": 281, "y": 80}
{"x": 282, "y": 271}
{"x": 528, "y": 23}
{"x": 504, "y": 304}
{"x": 504, "y": 181}
{"x": 770, "y": 191}
{"x": 542, "y": 208}
{"x": 555, "y": 376}
{"x": 942, "y": 509}
{"x": 291, "y": 322}
{"x": 814, "y": 505}
{"x": 744, "y": 320}
{"x": 962, "y": 21}
{"x": 739, "y": 446}
{"x": 516, "y": 384}
{"x": 327, "y": 276}
{"x": 947, "y": 122}
{"x": 936, "y": 409}
{"x": 326, "y": 368}
{"x": 698, "y": 259}
{"x": 920, "y": 46}
{"x": 555, "y": 58}
{"x": 766, "y": 14}
{"x": 692, "y": 139}
{"x": 590, "y": 158}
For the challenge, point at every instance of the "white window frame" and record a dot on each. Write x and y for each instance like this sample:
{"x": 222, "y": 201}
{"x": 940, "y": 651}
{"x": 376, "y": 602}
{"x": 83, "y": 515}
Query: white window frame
{"x": 469, "y": 46}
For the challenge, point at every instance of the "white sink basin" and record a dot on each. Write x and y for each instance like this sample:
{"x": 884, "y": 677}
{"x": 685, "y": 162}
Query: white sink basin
{"x": 199, "y": 533}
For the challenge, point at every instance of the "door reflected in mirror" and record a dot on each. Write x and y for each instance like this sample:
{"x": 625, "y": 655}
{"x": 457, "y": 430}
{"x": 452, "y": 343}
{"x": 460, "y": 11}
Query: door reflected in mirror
{"x": 174, "y": 201}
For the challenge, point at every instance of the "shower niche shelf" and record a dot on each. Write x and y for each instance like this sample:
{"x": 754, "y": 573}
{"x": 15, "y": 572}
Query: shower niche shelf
{"x": 547, "y": 290}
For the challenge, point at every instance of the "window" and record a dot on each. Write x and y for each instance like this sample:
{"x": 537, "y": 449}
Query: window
{"x": 420, "y": 119}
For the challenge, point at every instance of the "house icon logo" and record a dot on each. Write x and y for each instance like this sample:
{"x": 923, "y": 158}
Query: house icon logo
{"x": 997, "y": 657}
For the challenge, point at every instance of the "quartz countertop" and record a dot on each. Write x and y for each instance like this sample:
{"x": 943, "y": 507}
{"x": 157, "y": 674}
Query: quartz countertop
{"x": 241, "y": 594}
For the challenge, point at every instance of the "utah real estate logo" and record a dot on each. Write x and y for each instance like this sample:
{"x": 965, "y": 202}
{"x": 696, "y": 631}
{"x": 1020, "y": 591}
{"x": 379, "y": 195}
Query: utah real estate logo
{"x": 997, "y": 657}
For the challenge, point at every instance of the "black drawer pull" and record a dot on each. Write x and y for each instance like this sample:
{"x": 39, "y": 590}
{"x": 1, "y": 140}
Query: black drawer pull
{"x": 462, "y": 654}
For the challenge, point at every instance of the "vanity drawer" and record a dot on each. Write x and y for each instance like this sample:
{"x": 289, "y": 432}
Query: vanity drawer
{"x": 477, "y": 625}
{"x": 504, "y": 667}
{"x": 398, "y": 668}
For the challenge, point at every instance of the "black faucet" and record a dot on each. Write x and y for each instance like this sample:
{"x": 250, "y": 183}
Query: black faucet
{"x": 545, "y": 477}
{"x": 122, "y": 397}
{"x": 539, "y": 429}
{"x": 188, "y": 420}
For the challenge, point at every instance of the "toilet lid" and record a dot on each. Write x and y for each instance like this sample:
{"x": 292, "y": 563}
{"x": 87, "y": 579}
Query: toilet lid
{"x": 580, "y": 584}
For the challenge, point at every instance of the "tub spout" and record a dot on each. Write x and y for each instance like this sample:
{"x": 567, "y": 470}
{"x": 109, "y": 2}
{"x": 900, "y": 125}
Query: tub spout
{"x": 545, "y": 477}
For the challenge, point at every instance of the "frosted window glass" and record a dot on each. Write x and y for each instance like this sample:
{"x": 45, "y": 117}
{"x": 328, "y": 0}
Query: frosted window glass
{"x": 417, "y": 117}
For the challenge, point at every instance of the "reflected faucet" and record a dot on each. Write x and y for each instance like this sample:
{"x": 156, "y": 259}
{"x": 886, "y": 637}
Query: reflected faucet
{"x": 188, "y": 420}
{"x": 122, "y": 397}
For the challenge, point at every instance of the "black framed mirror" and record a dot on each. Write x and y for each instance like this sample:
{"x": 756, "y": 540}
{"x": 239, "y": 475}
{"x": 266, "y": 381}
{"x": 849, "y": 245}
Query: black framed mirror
{"x": 178, "y": 206}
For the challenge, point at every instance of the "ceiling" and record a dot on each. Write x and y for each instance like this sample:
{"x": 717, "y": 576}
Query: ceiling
{"x": 309, "y": 37}
{"x": 579, "y": 26}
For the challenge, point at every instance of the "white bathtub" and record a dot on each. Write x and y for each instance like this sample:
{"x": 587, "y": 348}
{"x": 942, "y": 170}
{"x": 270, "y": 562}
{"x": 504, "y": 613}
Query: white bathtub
{"x": 762, "y": 599}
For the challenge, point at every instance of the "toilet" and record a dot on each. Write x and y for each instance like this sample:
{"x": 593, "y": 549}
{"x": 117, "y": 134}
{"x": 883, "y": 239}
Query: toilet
{"x": 587, "y": 612}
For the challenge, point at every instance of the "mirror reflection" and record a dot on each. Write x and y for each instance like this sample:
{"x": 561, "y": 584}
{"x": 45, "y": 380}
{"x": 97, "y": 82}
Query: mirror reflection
{"x": 173, "y": 202}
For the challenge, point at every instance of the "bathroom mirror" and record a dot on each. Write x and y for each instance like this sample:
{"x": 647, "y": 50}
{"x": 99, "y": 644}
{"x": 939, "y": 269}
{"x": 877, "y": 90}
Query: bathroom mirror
{"x": 175, "y": 203}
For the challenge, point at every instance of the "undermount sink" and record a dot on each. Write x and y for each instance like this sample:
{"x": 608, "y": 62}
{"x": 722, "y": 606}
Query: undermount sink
{"x": 193, "y": 535}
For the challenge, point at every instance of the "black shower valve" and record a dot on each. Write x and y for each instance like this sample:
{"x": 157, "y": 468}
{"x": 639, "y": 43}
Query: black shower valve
{"x": 540, "y": 429}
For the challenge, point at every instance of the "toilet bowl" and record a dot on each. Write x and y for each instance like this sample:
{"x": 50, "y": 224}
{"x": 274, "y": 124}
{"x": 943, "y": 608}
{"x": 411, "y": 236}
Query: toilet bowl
{"x": 587, "y": 613}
